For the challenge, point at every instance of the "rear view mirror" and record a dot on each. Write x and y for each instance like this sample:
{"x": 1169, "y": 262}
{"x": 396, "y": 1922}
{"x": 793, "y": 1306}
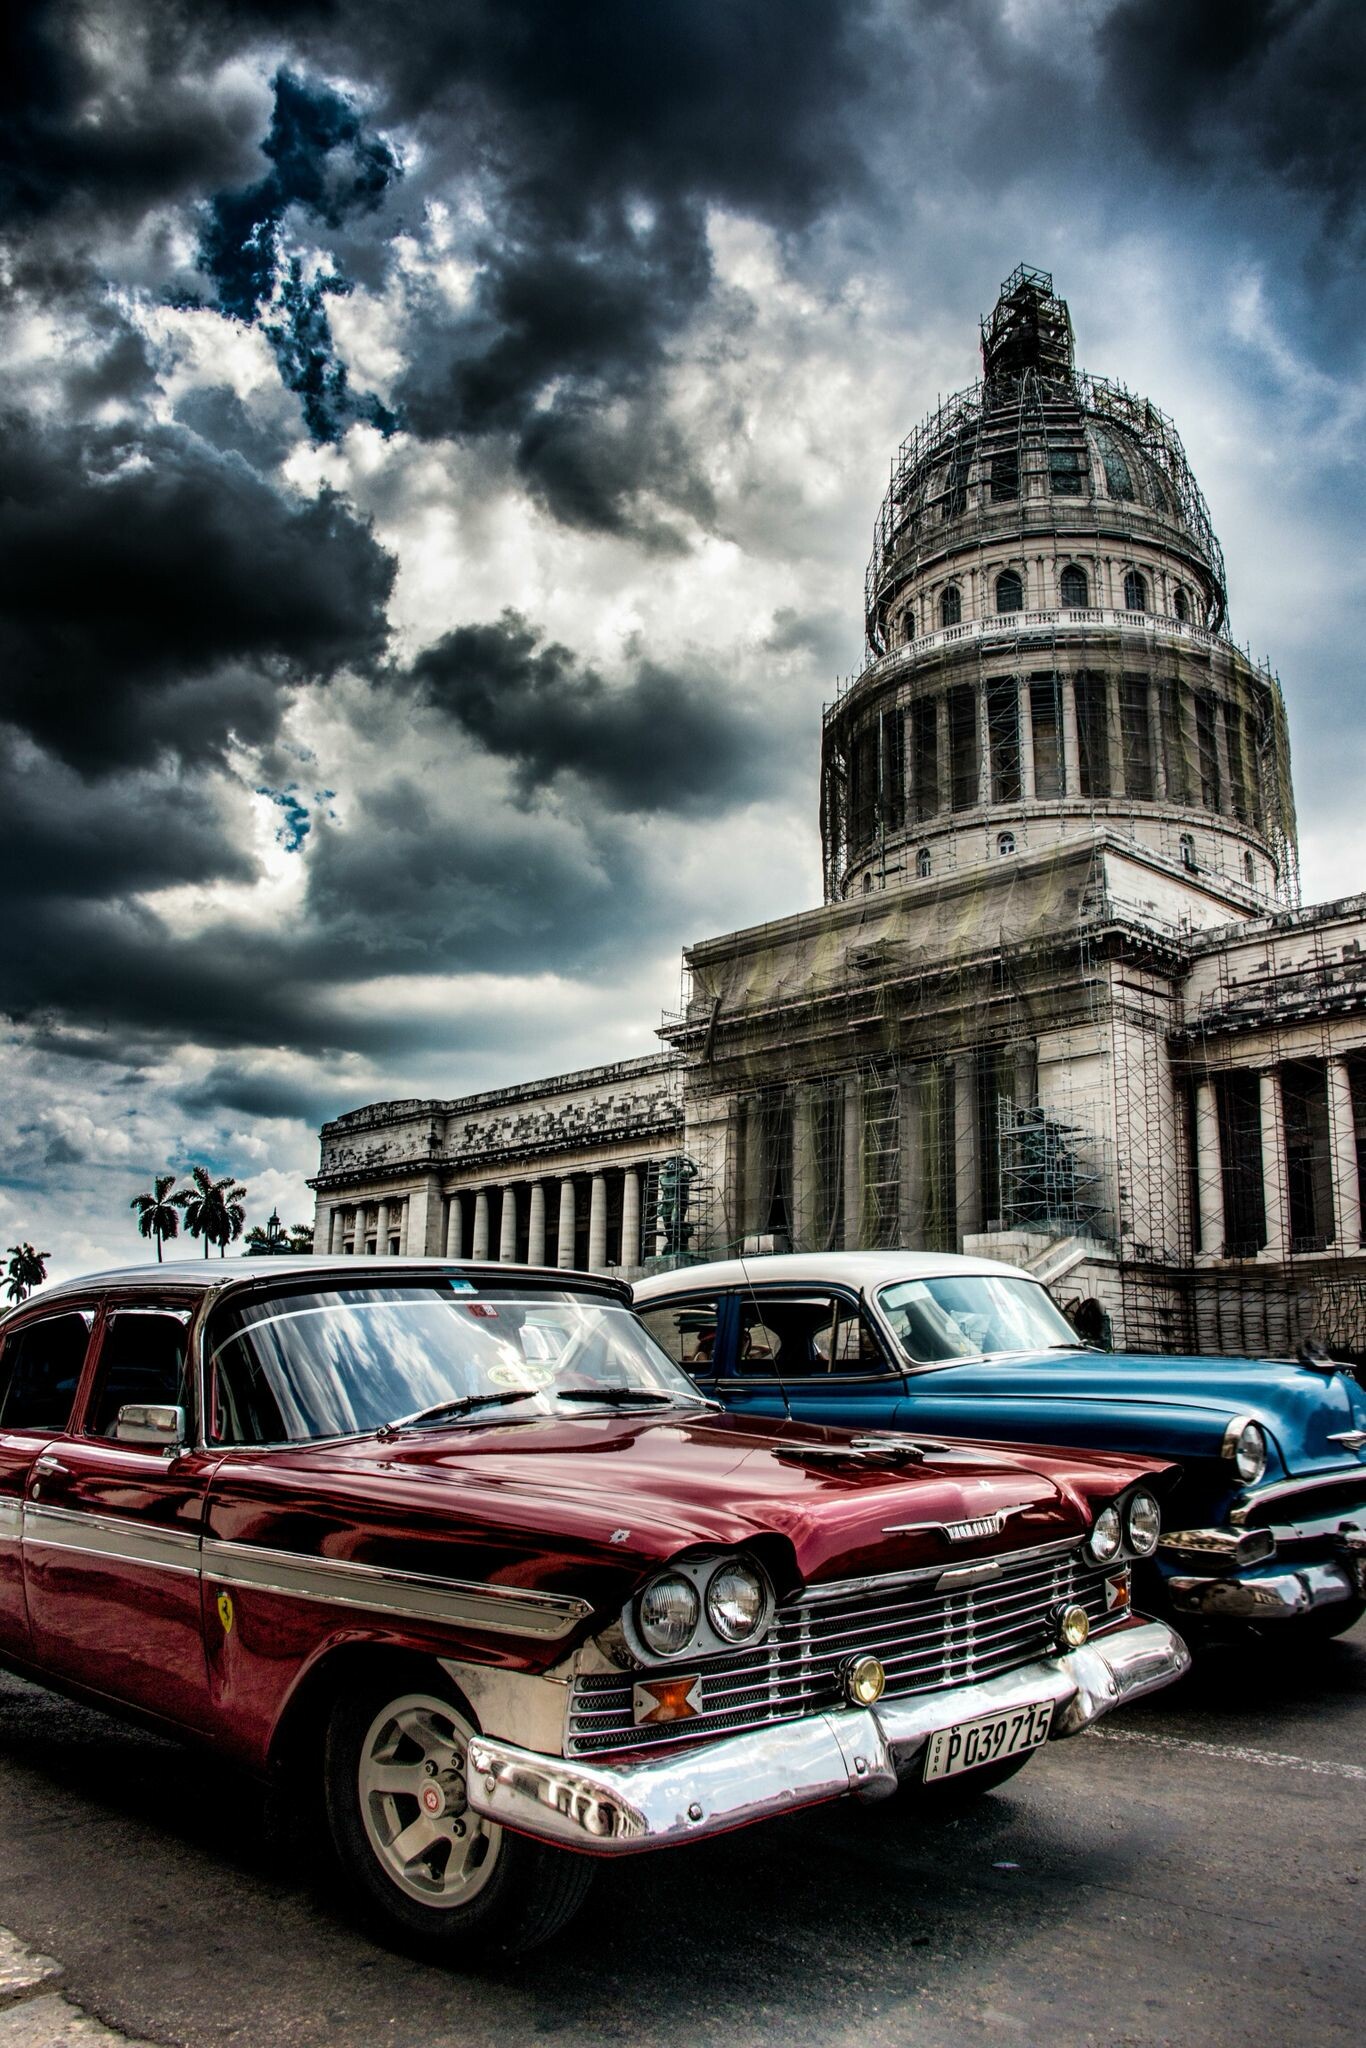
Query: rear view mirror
{"x": 143, "y": 1422}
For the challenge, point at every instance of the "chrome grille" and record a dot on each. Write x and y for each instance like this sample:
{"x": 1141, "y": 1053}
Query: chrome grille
{"x": 926, "y": 1641}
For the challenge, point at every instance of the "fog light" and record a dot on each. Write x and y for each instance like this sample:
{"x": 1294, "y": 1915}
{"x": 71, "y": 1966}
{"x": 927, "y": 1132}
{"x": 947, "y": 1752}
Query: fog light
{"x": 1074, "y": 1626}
{"x": 864, "y": 1681}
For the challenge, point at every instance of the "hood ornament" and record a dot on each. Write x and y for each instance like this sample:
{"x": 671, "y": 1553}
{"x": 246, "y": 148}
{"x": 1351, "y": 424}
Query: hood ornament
{"x": 885, "y": 1448}
{"x": 968, "y": 1531}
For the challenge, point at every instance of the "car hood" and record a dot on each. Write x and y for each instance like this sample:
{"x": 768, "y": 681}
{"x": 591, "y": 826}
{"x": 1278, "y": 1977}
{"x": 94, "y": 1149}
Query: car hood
{"x": 1154, "y": 1403}
{"x": 636, "y": 1491}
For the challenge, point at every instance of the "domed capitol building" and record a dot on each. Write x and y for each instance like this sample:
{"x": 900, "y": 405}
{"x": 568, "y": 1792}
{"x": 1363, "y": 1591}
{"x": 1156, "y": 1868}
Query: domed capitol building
{"x": 1061, "y": 1004}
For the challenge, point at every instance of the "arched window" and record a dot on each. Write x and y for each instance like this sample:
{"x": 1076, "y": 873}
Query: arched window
{"x": 1135, "y": 592}
{"x": 1005, "y": 842}
{"x": 1009, "y": 591}
{"x": 1188, "y": 859}
{"x": 922, "y": 862}
{"x": 1181, "y": 603}
{"x": 1076, "y": 589}
{"x": 1250, "y": 870}
{"x": 950, "y": 605}
{"x": 867, "y": 885}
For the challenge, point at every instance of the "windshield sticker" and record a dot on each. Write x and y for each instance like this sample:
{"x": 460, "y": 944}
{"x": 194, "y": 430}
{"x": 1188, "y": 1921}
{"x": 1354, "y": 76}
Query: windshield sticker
{"x": 525, "y": 1378}
{"x": 461, "y": 1286}
{"x": 484, "y": 1308}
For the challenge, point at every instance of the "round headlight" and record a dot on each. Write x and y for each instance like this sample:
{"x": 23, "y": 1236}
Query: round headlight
{"x": 736, "y": 1599}
{"x": 669, "y": 1610}
{"x": 1245, "y": 1443}
{"x": 1106, "y": 1536}
{"x": 1142, "y": 1523}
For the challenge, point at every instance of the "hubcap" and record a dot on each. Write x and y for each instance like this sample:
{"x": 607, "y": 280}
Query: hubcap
{"x": 412, "y": 1800}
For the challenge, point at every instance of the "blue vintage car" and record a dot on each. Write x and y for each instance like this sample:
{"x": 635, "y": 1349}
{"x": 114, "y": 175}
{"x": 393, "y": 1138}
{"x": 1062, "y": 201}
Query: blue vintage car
{"x": 1268, "y": 1521}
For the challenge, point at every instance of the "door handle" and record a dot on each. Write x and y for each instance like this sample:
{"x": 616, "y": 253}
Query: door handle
{"x": 48, "y": 1468}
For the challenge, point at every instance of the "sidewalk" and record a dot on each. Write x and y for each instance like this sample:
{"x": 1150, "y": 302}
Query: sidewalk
{"x": 35, "y": 2013}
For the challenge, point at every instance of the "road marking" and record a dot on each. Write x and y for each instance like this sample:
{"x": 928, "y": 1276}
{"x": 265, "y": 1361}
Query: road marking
{"x": 1269, "y": 1759}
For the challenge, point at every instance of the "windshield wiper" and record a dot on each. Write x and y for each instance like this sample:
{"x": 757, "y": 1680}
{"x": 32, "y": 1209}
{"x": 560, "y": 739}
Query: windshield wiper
{"x": 441, "y": 1410}
{"x": 618, "y": 1397}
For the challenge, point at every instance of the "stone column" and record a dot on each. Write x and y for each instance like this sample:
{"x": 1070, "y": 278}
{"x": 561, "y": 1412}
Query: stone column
{"x": 337, "y": 1234}
{"x": 507, "y": 1226}
{"x": 1346, "y": 1178}
{"x": 853, "y": 1164}
{"x": 597, "y": 1224}
{"x": 912, "y": 1129}
{"x": 804, "y": 1167}
{"x": 1025, "y": 717}
{"x": 455, "y": 1234}
{"x": 630, "y": 1217}
{"x": 358, "y": 1242}
{"x": 967, "y": 1164}
{"x": 1273, "y": 1163}
{"x": 1155, "y": 746}
{"x": 1071, "y": 753}
{"x": 382, "y": 1230}
{"x": 1209, "y": 1173}
{"x": 535, "y": 1236}
{"x": 1114, "y": 732}
{"x": 564, "y": 1249}
{"x": 480, "y": 1248}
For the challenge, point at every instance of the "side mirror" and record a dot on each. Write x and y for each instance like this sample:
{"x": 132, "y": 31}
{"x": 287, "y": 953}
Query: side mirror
{"x": 142, "y": 1422}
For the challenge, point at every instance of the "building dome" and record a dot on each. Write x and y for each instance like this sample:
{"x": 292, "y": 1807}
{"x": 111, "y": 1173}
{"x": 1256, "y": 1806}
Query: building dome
{"x": 1046, "y": 614}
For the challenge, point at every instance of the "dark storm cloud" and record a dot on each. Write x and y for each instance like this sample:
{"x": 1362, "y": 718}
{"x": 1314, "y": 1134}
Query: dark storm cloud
{"x": 104, "y": 112}
{"x": 228, "y": 1086}
{"x": 1248, "y": 86}
{"x": 665, "y": 742}
{"x": 158, "y": 598}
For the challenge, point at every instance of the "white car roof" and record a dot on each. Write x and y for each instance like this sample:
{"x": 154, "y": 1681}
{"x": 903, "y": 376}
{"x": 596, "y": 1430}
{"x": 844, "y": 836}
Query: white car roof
{"x": 815, "y": 1269}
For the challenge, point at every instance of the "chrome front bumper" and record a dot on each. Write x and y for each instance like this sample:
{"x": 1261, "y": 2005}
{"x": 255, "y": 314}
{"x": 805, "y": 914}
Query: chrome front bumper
{"x": 1273, "y": 1592}
{"x": 653, "y": 1802}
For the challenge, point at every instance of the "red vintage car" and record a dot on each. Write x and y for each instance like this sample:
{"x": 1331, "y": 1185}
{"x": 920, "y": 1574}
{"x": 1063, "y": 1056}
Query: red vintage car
{"x": 464, "y": 1548}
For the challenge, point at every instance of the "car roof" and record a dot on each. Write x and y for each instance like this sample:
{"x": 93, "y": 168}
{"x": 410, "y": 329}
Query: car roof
{"x": 208, "y": 1276}
{"x": 808, "y": 1269}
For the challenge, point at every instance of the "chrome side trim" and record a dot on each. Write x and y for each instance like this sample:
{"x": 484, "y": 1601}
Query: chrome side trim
{"x": 613, "y": 1810}
{"x": 883, "y": 1582}
{"x": 503, "y": 1610}
{"x": 169, "y": 1550}
{"x": 11, "y": 1519}
{"x": 1289, "y": 1489}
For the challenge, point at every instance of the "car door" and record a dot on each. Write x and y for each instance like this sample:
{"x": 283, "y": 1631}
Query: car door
{"x": 112, "y": 1531}
{"x": 41, "y": 1361}
{"x": 811, "y": 1353}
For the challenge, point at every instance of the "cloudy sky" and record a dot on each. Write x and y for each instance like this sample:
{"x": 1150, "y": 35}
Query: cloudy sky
{"x": 441, "y": 441}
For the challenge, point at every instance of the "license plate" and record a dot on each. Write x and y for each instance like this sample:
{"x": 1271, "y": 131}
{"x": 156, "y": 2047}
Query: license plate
{"x": 973, "y": 1743}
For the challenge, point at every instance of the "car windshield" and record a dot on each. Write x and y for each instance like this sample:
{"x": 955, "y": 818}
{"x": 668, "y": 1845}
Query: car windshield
{"x": 293, "y": 1367}
{"x": 973, "y": 1315}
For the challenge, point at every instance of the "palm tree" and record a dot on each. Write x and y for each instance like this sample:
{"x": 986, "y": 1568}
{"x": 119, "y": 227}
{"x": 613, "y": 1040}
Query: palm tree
{"x": 213, "y": 1208}
{"x": 27, "y": 1270}
{"x": 301, "y": 1237}
{"x": 158, "y": 1214}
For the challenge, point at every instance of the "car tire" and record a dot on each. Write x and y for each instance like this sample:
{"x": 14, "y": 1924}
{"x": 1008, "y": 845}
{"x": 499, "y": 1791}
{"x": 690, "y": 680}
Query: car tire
{"x": 1318, "y": 1626}
{"x": 436, "y": 1880}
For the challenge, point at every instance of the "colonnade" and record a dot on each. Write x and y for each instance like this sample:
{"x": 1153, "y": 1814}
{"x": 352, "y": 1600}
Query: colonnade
{"x": 1211, "y": 1169}
{"x": 590, "y": 1220}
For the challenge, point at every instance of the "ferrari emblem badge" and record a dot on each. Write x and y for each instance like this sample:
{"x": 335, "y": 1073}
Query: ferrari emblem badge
{"x": 225, "y": 1612}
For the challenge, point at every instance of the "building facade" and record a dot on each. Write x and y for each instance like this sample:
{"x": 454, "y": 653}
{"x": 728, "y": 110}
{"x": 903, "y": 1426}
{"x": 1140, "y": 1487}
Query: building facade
{"x": 1060, "y": 1003}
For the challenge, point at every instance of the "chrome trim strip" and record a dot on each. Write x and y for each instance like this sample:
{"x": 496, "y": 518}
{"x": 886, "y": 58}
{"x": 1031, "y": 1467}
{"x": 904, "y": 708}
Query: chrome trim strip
{"x": 502, "y": 1610}
{"x": 111, "y": 1536}
{"x": 650, "y": 1803}
{"x": 11, "y": 1519}
{"x": 1289, "y": 1489}
{"x": 841, "y": 1589}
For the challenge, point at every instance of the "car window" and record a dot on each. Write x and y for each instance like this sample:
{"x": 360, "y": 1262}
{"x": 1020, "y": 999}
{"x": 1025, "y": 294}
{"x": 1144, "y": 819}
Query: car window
{"x": 686, "y": 1331}
{"x": 973, "y": 1315}
{"x": 142, "y": 1358}
{"x": 802, "y": 1336}
{"x": 39, "y": 1369}
{"x": 320, "y": 1363}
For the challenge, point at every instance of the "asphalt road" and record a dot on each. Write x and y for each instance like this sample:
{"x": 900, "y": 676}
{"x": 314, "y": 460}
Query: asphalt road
{"x": 1194, "y": 1873}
